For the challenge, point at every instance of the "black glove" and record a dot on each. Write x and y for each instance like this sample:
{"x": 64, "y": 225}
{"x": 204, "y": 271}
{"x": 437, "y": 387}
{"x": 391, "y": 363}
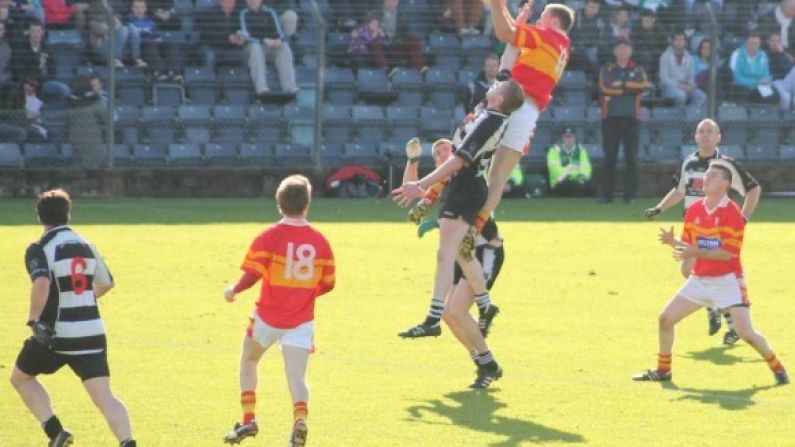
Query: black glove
{"x": 504, "y": 75}
{"x": 42, "y": 332}
{"x": 651, "y": 213}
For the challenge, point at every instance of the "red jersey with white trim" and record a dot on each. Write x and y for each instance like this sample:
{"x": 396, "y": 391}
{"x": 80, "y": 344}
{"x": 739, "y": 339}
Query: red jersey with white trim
{"x": 543, "y": 55}
{"x": 296, "y": 265}
{"x": 719, "y": 228}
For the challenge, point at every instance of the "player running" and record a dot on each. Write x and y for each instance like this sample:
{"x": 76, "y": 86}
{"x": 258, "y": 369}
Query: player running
{"x": 687, "y": 185}
{"x": 713, "y": 237}
{"x": 296, "y": 266}
{"x": 68, "y": 277}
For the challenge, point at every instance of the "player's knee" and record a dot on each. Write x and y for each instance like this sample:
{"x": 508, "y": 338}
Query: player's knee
{"x": 18, "y": 379}
{"x": 665, "y": 321}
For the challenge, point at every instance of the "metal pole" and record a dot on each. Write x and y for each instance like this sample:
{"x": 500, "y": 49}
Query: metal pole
{"x": 713, "y": 61}
{"x": 319, "y": 85}
{"x": 110, "y": 128}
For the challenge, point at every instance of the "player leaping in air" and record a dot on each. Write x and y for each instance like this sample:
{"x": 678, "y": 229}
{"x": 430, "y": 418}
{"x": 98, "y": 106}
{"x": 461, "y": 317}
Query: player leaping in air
{"x": 466, "y": 193}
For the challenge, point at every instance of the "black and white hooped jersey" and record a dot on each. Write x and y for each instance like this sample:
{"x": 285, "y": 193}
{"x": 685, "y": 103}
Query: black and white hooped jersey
{"x": 690, "y": 177}
{"x": 477, "y": 140}
{"x": 73, "y": 267}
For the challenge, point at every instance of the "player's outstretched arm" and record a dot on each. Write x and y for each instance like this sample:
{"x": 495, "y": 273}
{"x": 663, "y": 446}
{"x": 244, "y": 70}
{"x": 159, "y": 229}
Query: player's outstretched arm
{"x": 673, "y": 197}
{"x": 504, "y": 25}
{"x": 245, "y": 282}
{"x": 687, "y": 251}
{"x": 752, "y": 197}
{"x": 404, "y": 195}
{"x": 413, "y": 154}
{"x": 38, "y": 297}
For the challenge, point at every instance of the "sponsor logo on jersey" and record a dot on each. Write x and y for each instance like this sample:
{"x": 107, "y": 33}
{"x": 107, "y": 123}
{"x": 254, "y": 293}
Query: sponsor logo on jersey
{"x": 708, "y": 243}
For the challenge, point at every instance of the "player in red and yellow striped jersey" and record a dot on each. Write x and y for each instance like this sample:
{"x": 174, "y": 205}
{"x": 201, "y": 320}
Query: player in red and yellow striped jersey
{"x": 296, "y": 266}
{"x": 440, "y": 151}
{"x": 713, "y": 236}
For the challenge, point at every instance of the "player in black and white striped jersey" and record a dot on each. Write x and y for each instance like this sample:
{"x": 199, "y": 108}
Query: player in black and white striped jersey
{"x": 68, "y": 276}
{"x": 687, "y": 185}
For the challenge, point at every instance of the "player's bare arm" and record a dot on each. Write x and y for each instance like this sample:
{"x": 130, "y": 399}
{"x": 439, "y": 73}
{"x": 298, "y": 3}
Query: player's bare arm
{"x": 751, "y": 200}
{"x": 673, "y": 197}
{"x": 666, "y": 237}
{"x": 687, "y": 251}
{"x": 504, "y": 25}
{"x": 409, "y": 191}
{"x": 38, "y": 297}
{"x": 502, "y": 164}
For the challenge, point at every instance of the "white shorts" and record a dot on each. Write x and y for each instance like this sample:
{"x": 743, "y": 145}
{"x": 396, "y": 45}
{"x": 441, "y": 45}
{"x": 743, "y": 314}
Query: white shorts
{"x": 520, "y": 126}
{"x": 714, "y": 291}
{"x": 301, "y": 336}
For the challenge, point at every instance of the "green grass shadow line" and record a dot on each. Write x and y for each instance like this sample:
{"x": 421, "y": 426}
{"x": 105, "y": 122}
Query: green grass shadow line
{"x": 475, "y": 410}
{"x": 717, "y": 355}
{"x": 728, "y": 400}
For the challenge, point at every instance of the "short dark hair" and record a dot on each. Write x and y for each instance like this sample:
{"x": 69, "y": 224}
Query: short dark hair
{"x": 512, "y": 96}
{"x": 53, "y": 207}
{"x": 564, "y": 14}
{"x": 294, "y": 195}
{"x": 753, "y": 33}
{"x": 726, "y": 172}
{"x": 678, "y": 32}
{"x": 492, "y": 56}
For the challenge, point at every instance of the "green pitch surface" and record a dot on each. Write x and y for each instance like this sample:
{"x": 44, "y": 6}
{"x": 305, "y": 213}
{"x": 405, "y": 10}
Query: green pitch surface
{"x": 580, "y": 292}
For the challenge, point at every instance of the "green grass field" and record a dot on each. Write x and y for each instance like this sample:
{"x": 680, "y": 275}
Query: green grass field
{"x": 580, "y": 293}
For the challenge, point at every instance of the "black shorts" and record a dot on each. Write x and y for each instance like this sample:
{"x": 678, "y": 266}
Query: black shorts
{"x": 35, "y": 359}
{"x": 465, "y": 197}
{"x": 490, "y": 258}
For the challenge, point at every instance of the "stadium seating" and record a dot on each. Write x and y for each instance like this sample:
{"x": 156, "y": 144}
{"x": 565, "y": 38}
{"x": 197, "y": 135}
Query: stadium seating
{"x": 662, "y": 153}
{"x": 363, "y": 153}
{"x": 293, "y": 155}
{"x": 266, "y": 124}
{"x": 435, "y": 123}
{"x": 195, "y": 122}
{"x": 237, "y": 85}
{"x": 159, "y": 124}
{"x": 121, "y": 156}
{"x": 221, "y": 154}
{"x": 786, "y": 152}
{"x": 229, "y": 124}
{"x": 337, "y": 124}
{"x": 41, "y": 155}
{"x": 188, "y": 154}
{"x": 440, "y": 85}
{"x": 201, "y": 85}
{"x": 370, "y": 124}
{"x": 131, "y": 86}
{"x": 10, "y": 155}
{"x": 256, "y": 154}
{"x": 340, "y": 86}
{"x": 149, "y": 155}
{"x": 409, "y": 85}
{"x": 761, "y": 153}
{"x": 403, "y": 123}
{"x": 374, "y": 86}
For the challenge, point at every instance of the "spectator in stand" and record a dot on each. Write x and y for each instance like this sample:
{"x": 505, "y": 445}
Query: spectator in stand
{"x": 287, "y": 16}
{"x": 701, "y": 64}
{"x": 649, "y": 42}
{"x": 751, "y": 72}
{"x": 148, "y": 49}
{"x": 264, "y": 35}
{"x": 6, "y": 78}
{"x": 781, "y": 69}
{"x": 347, "y": 12}
{"x": 15, "y": 23}
{"x": 84, "y": 123}
{"x": 222, "y": 44}
{"x": 33, "y": 105}
{"x": 465, "y": 15}
{"x": 32, "y": 60}
{"x": 96, "y": 86}
{"x": 619, "y": 21}
{"x": 484, "y": 81}
{"x": 401, "y": 44}
{"x": 98, "y": 33}
{"x": 676, "y": 74}
{"x": 366, "y": 46}
{"x": 32, "y": 10}
{"x": 569, "y": 167}
{"x": 621, "y": 84}
{"x": 587, "y": 36}
{"x": 780, "y": 20}
{"x": 164, "y": 13}
{"x": 59, "y": 15}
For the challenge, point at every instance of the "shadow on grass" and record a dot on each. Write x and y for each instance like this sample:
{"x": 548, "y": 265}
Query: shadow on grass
{"x": 718, "y": 355}
{"x": 475, "y": 410}
{"x": 126, "y": 211}
{"x": 727, "y": 400}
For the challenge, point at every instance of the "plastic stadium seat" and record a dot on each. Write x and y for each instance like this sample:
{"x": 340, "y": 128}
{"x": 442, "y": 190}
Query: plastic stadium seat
{"x": 332, "y": 154}
{"x": 695, "y": 114}
{"x": 256, "y": 154}
{"x": 663, "y": 153}
{"x": 374, "y": 86}
{"x": 41, "y": 155}
{"x": 337, "y": 124}
{"x": 159, "y": 125}
{"x": 363, "y": 153}
{"x": 476, "y": 47}
{"x": 732, "y": 114}
{"x": 127, "y": 130}
{"x": 370, "y": 123}
{"x": 669, "y": 136}
{"x": 64, "y": 38}
{"x": 765, "y": 136}
{"x": 195, "y": 122}
{"x": 403, "y": 123}
{"x": 121, "y": 156}
{"x": 686, "y": 150}
{"x": 765, "y": 153}
{"x": 10, "y": 155}
{"x": 786, "y": 152}
{"x": 168, "y": 94}
{"x": 733, "y": 151}
{"x": 540, "y": 142}
{"x": 184, "y": 155}
{"x": 92, "y": 70}
{"x": 444, "y": 44}
{"x": 441, "y": 87}
{"x": 229, "y": 123}
{"x": 766, "y": 116}
{"x": 467, "y": 75}
{"x": 201, "y": 85}
{"x": 734, "y": 134}
{"x": 595, "y": 151}
{"x": 237, "y": 85}
{"x": 221, "y": 154}
{"x": 149, "y": 155}
{"x": 293, "y": 155}
{"x": 131, "y": 86}
{"x": 569, "y": 116}
{"x": 266, "y": 124}
{"x": 435, "y": 123}
{"x": 674, "y": 115}
{"x": 409, "y": 85}
{"x": 340, "y": 86}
